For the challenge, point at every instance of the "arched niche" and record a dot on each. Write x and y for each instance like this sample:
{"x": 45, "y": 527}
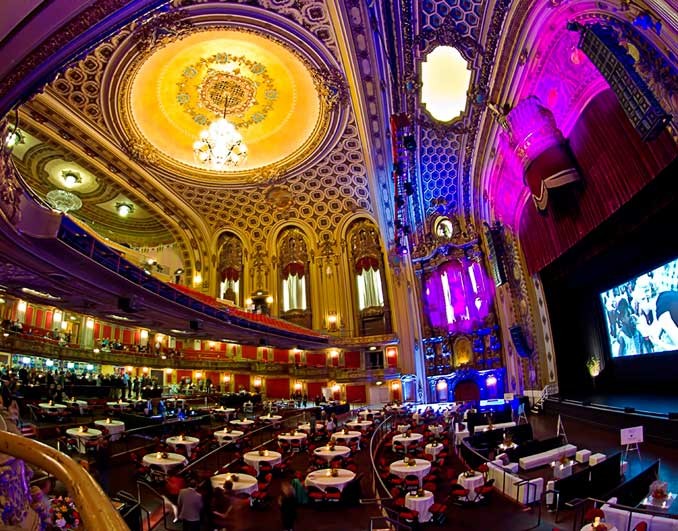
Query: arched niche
{"x": 294, "y": 285}
{"x": 230, "y": 268}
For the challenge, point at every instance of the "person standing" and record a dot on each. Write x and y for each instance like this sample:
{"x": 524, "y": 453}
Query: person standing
{"x": 288, "y": 506}
{"x": 190, "y": 507}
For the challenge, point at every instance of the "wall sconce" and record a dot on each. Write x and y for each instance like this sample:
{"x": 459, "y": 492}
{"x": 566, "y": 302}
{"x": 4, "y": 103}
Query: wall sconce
{"x": 395, "y": 385}
{"x": 227, "y": 378}
{"x": 491, "y": 380}
{"x": 58, "y": 316}
{"x": 297, "y": 386}
{"x": 198, "y": 375}
{"x": 269, "y": 299}
{"x": 89, "y": 323}
{"x": 441, "y": 385}
{"x": 334, "y": 354}
{"x": 129, "y": 368}
{"x": 145, "y": 370}
{"x": 143, "y": 334}
{"x": 332, "y": 321}
{"x": 169, "y": 371}
{"x": 22, "y": 306}
{"x": 336, "y": 388}
{"x": 257, "y": 381}
{"x": 391, "y": 352}
{"x": 197, "y": 279}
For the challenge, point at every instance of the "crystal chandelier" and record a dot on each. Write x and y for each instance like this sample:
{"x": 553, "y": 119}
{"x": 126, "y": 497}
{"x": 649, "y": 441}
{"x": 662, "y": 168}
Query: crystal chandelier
{"x": 220, "y": 145}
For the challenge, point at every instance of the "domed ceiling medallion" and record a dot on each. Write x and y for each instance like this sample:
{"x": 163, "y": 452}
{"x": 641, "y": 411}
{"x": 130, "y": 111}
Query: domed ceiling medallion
{"x": 280, "y": 100}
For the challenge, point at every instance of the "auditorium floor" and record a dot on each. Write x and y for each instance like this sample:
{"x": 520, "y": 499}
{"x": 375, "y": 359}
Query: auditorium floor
{"x": 500, "y": 514}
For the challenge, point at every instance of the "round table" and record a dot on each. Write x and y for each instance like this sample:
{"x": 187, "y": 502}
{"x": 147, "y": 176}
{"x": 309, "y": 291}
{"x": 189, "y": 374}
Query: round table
{"x": 83, "y": 436}
{"x": 254, "y": 459}
{"x": 323, "y": 478}
{"x": 433, "y": 450}
{"x": 270, "y": 418}
{"x": 436, "y": 429}
{"x": 350, "y": 436}
{"x": 245, "y": 483}
{"x": 80, "y": 404}
{"x": 188, "y": 442}
{"x": 298, "y": 436}
{"x": 367, "y": 412}
{"x": 421, "y": 504}
{"x": 326, "y": 453}
{"x": 224, "y": 411}
{"x": 419, "y": 469}
{"x": 359, "y": 424}
{"x": 53, "y": 407}
{"x": 406, "y": 441}
{"x": 242, "y": 423}
{"x": 470, "y": 483}
{"x": 120, "y": 405}
{"x": 115, "y": 427}
{"x": 166, "y": 463}
{"x": 608, "y": 527}
{"x": 319, "y": 425}
{"x": 228, "y": 436}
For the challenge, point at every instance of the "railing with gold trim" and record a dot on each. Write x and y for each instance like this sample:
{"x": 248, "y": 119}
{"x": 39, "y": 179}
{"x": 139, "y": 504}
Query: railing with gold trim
{"x": 96, "y": 510}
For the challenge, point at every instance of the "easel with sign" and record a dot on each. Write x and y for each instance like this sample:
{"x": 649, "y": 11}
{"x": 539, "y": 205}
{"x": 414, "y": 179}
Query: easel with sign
{"x": 630, "y": 440}
{"x": 561, "y": 429}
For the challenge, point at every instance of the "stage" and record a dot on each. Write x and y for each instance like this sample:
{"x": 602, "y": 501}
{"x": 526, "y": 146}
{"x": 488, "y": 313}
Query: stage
{"x": 657, "y": 413}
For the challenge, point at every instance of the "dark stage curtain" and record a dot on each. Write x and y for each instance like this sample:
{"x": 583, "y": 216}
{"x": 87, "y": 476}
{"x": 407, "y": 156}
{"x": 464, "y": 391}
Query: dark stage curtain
{"x": 615, "y": 164}
{"x": 277, "y": 387}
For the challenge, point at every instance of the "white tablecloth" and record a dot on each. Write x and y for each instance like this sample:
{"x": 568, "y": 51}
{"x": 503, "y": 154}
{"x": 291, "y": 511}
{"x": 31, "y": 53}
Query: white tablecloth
{"x": 80, "y": 404}
{"x": 223, "y": 411}
{"x": 119, "y": 405}
{"x": 365, "y": 413}
{"x": 270, "y": 418}
{"x": 245, "y": 483}
{"x": 420, "y": 469}
{"x": 254, "y": 459}
{"x": 470, "y": 483}
{"x": 298, "y": 436}
{"x": 243, "y": 423}
{"x": 319, "y": 426}
{"x": 323, "y": 479}
{"x": 433, "y": 450}
{"x": 589, "y": 527}
{"x": 166, "y": 463}
{"x": 115, "y": 427}
{"x": 82, "y": 437}
{"x": 421, "y": 504}
{"x": 403, "y": 428}
{"x": 501, "y": 425}
{"x": 188, "y": 442}
{"x": 225, "y": 437}
{"x": 406, "y": 441}
{"x": 350, "y": 436}
{"x": 52, "y": 407}
{"x": 328, "y": 455}
{"x": 436, "y": 429}
{"x": 359, "y": 424}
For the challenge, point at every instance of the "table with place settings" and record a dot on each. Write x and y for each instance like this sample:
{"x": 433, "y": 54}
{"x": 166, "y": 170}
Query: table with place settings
{"x": 406, "y": 441}
{"x": 118, "y": 405}
{"x": 436, "y": 429}
{"x": 83, "y": 436}
{"x": 246, "y": 423}
{"x": 115, "y": 427}
{"x": 365, "y": 412}
{"x": 420, "y": 468}
{"x": 187, "y": 442}
{"x": 319, "y": 425}
{"x": 244, "y": 483}
{"x": 270, "y": 418}
{"x": 327, "y": 453}
{"x": 225, "y": 437}
{"x": 225, "y": 411}
{"x": 433, "y": 449}
{"x": 80, "y": 404}
{"x": 166, "y": 463}
{"x": 347, "y": 437}
{"x": 324, "y": 478}
{"x": 289, "y": 437}
{"x": 52, "y": 407}
{"x": 421, "y": 504}
{"x": 269, "y": 456}
{"x": 359, "y": 424}
{"x": 471, "y": 483}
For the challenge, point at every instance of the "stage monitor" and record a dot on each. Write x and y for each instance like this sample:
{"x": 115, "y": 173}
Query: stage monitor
{"x": 641, "y": 315}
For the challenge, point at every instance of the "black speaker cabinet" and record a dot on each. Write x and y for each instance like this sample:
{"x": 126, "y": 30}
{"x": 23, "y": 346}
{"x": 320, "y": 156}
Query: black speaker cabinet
{"x": 519, "y": 341}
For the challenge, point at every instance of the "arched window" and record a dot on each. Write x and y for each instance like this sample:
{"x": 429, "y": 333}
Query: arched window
{"x": 367, "y": 261}
{"x": 230, "y": 268}
{"x": 294, "y": 270}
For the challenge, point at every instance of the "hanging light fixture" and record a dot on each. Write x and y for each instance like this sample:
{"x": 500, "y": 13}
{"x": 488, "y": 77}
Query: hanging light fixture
{"x": 124, "y": 209}
{"x": 220, "y": 145}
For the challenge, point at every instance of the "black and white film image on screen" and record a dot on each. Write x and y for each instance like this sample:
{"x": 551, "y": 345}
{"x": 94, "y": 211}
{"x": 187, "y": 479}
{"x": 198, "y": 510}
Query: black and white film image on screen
{"x": 642, "y": 314}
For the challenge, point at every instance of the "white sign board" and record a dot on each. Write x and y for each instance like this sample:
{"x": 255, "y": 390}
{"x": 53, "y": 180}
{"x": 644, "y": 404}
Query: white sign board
{"x": 631, "y": 435}
{"x": 508, "y": 396}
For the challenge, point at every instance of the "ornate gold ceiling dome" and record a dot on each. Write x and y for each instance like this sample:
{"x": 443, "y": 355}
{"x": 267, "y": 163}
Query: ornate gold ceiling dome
{"x": 187, "y": 68}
